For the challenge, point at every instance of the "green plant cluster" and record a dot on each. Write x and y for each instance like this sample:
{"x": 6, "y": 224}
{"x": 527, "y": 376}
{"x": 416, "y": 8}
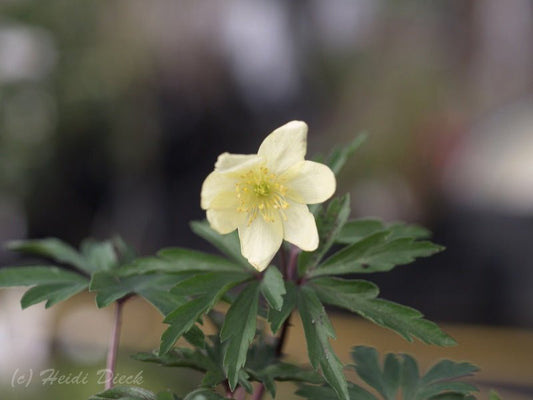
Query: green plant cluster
{"x": 185, "y": 285}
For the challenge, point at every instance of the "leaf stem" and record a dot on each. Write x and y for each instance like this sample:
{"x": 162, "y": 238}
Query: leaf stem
{"x": 113, "y": 345}
{"x": 258, "y": 392}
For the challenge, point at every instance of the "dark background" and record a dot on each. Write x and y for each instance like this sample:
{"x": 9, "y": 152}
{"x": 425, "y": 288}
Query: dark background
{"x": 112, "y": 113}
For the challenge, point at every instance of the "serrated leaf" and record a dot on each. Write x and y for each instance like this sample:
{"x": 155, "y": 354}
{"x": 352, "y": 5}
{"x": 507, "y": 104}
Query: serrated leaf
{"x": 355, "y": 392}
{"x": 52, "y": 284}
{"x": 359, "y": 296}
{"x": 403, "y": 230}
{"x": 206, "y": 282}
{"x": 341, "y": 154}
{"x": 54, "y": 249}
{"x": 166, "y": 396}
{"x": 239, "y": 331}
{"x": 446, "y": 370}
{"x": 329, "y": 224}
{"x": 173, "y": 260}
{"x": 100, "y": 255}
{"x": 410, "y": 377}
{"x": 125, "y": 393}
{"x": 179, "y": 357}
{"x": 318, "y": 331}
{"x": 228, "y": 244}
{"x": 209, "y": 287}
{"x": 441, "y": 388}
{"x": 375, "y": 253}
{"x": 277, "y": 318}
{"x": 37, "y": 275}
{"x": 358, "y": 229}
{"x": 385, "y": 381}
{"x": 493, "y": 395}
{"x": 283, "y": 372}
{"x": 400, "y": 374}
{"x": 52, "y": 293}
{"x": 203, "y": 394}
{"x": 111, "y": 286}
{"x": 161, "y": 299}
{"x": 273, "y": 287}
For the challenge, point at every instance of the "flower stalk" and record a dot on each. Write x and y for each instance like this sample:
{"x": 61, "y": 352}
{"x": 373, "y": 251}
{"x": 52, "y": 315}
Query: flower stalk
{"x": 113, "y": 345}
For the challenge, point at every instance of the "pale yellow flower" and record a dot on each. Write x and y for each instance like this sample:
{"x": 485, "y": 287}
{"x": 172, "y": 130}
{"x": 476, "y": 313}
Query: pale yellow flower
{"x": 265, "y": 195}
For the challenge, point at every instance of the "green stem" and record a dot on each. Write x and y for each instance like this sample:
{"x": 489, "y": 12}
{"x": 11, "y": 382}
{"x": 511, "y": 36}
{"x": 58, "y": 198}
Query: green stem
{"x": 113, "y": 345}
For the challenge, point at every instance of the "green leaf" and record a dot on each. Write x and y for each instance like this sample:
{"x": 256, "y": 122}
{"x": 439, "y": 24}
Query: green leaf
{"x": 385, "y": 381}
{"x": 358, "y": 229}
{"x": 125, "y": 393}
{"x": 359, "y": 296}
{"x": 289, "y": 372}
{"x": 161, "y": 299}
{"x": 209, "y": 287}
{"x": 277, "y": 318}
{"x": 493, "y": 395}
{"x": 375, "y": 253}
{"x": 273, "y": 287}
{"x": 318, "y": 330}
{"x": 52, "y": 293}
{"x": 446, "y": 369}
{"x": 402, "y": 230}
{"x": 54, "y": 249}
{"x": 340, "y": 154}
{"x": 177, "y": 259}
{"x": 400, "y": 374}
{"x": 329, "y": 224}
{"x": 239, "y": 331}
{"x": 52, "y": 284}
{"x": 179, "y": 357}
{"x": 101, "y": 256}
{"x": 441, "y": 388}
{"x": 327, "y": 393}
{"x": 410, "y": 377}
{"x": 37, "y": 275}
{"x": 166, "y": 396}
{"x": 228, "y": 244}
{"x": 203, "y": 394}
{"x": 111, "y": 286}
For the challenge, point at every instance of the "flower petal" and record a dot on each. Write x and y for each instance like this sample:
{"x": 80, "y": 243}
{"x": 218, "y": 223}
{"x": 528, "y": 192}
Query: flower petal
{"x": 309, "y": 182}
{"x": 215, "y": 184}
{"x": 260, "y": 241}
{"x": 227, "y": 162}
{"x": 224, "y": 221}
{"x": 300, "y": 227}
{"x": 285, "y": 146}
{"x": 226, "y": 174}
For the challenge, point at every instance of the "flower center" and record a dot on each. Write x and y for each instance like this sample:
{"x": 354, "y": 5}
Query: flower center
{"x": 261, "y": 192}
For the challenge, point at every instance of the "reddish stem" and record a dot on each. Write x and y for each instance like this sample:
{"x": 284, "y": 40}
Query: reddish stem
{"x": 113, "y": 346}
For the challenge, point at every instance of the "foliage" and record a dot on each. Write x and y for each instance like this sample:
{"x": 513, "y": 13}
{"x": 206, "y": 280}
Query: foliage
{"x": 400, "y": 375}
{"x": 186, "y": 286}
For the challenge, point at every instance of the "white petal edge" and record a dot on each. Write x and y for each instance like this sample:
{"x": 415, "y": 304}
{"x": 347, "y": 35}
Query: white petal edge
{"x": 215, "y": 184}
{"x": 260, "y": 241}
{"x": 226, "y": 174}
{"x": 300, "y": 227}
{"x": 227, "y": 162}
{"x": 224, "y": 221}
{"x": 285, "y": 146}
{"x": 309, "y": 182}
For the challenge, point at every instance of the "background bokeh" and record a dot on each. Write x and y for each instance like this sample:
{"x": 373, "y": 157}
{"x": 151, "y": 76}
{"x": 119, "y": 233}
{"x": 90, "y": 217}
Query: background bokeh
{"x": 113, "y": 112}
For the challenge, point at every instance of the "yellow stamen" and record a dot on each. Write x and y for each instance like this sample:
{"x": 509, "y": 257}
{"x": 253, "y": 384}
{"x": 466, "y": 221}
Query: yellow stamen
{"x": 261, "y": 192}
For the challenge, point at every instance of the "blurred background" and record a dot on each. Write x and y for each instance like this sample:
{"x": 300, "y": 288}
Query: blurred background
{"x": 112, "y": 113}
